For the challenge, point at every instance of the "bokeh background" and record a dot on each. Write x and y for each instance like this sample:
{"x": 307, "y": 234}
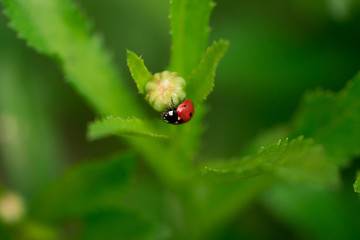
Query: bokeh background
{"x": 279, "y": 50}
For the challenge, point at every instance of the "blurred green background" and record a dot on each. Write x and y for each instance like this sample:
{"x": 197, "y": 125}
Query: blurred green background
{"x": 279, "y": 49}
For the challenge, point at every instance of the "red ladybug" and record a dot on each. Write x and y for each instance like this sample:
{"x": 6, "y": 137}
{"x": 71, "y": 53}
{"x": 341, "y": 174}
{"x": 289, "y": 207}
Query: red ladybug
{"x": 180, "y": 114}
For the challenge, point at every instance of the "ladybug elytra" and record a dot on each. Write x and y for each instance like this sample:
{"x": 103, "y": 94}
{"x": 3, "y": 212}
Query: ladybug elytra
{"x": 180, "y": 114}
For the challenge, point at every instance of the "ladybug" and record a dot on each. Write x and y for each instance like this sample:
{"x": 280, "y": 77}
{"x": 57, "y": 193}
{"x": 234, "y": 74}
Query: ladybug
{"x": 180, "y": 114}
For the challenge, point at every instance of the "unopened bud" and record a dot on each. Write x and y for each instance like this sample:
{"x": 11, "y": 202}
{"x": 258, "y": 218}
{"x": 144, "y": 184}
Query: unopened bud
{"x": 164, "y": 88}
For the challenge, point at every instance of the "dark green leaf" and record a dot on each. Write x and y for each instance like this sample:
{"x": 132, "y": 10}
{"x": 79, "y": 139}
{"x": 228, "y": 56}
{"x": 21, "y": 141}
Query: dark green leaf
{"x": 333, "y": 120}
{"x": 122, "y": 225}
{"x": 138, "y": 71}
{"x": 189, "y": 31}
{"x": 299, "y": 160}
{"x": 58, "y": 29}
{"x": 122, "y": 127}
{"x": 85, "y": 188}
{"x": 201, "y": 82}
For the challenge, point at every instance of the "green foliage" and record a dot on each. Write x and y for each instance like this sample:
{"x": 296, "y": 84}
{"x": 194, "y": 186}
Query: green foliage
{"x": 189, "y": 32}
{"x": 138, "y": 71}
{"x": 94, "y": 193}
{"x": 357, "y": 183}
{"x": 332, "y": 120}
{"x": 122, "y": 127}
{"x": 314, "y": 214}
{"x": 122, "y": 224}
{"x": 299, "y": 160}
{"x": 201, "y": 82}
{"x": 90, "y": 186}
{"x": 29, "y": 135}
{"x": 86, "y": 64}
{"x": 33, "y": 230}
{"x": 228, "y": 199}
{"x": 4, "y": 234}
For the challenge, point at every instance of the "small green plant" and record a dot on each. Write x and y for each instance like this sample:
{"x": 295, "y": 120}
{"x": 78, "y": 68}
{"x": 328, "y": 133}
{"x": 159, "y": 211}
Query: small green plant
{"x": 99, "y": 196}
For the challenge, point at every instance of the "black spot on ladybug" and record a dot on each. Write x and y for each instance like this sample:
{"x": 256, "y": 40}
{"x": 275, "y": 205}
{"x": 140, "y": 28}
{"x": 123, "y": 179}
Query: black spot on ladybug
{"x": 190, "y": 114}
{"x": 185, "y": 106}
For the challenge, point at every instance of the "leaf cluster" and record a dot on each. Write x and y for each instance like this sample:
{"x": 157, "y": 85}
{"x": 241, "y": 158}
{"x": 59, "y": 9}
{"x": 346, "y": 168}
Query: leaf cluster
{"x": 92, "y": 194}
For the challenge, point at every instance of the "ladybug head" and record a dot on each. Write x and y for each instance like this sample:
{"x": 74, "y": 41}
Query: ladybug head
{"x": 171, "y": 116}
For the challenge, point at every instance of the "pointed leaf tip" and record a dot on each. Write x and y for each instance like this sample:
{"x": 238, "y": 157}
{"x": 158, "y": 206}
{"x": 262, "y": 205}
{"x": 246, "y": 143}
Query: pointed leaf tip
{"x": 138, "y": 70}
{"x": 201, "y": 82}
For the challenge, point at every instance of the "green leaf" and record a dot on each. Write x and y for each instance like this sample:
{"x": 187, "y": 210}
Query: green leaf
{"x": 299, "y": 160}
{"x": 332, "y": 119}
{"x": 122, "y": 127}
{"x": 189, "y": 32}
{"x": 58, "y": 29}
{"x": 84, "y": 189}
{"x": 120, "y": 224}
{"x": 201, "y": 82}
{"x": 138, "y": 71}
{"x": 357, "y": 183}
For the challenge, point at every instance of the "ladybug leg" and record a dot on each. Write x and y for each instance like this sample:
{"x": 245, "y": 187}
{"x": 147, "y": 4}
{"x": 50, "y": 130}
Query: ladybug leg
{"x": 169, "y": 108}
{"x": 173, "y": 104}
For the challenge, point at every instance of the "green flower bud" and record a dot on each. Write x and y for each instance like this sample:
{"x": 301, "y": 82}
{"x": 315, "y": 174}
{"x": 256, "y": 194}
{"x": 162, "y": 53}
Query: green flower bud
{"x": 164, "y": 87}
